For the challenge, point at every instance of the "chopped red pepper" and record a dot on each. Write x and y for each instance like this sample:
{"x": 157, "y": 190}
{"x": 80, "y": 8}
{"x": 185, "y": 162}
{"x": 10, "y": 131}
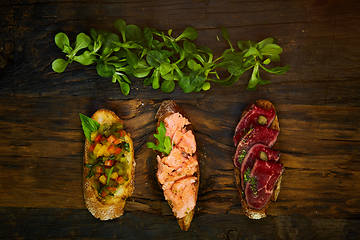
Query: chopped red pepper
{"x": 98, "y": 138}
{"x": 111, "y": 189}
{"x": 117, "y": 150}
{"x": 104, "y": 193}
{"x": 117, "y": 141}
{"x": 111, "y": 139}
{"x": 120, "y": 180}
{"x": 122, "y": 133}
{"x": 109, "y": 163}
{"x": 99, "y": 169}
{"x": 92, "y": 146}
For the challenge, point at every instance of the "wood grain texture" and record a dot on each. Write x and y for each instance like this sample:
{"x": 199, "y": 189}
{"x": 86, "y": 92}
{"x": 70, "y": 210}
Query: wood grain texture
{"x": 318, "y": 104}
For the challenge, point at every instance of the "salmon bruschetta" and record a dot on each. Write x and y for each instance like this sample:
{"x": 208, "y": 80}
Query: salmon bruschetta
{"x": 177, "y": 165}
{"x": 109, "y": 165}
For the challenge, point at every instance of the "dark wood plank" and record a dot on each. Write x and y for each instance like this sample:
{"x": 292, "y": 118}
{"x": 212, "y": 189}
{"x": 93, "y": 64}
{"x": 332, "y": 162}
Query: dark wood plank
{"x": 318, "y": 102}
{"x": 70, "y": 223}
{"x": 47, "y": 137}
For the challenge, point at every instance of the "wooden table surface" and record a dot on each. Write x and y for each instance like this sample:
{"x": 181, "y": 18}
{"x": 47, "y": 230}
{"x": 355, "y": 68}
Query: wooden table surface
{"x": 318, "y": 102}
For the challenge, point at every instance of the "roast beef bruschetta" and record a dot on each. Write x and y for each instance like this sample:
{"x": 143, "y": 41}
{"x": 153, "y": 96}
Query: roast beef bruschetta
{"x": 178, "y": 169}
{"x": 109, "y": 165}
{"x": 257, "y": 168}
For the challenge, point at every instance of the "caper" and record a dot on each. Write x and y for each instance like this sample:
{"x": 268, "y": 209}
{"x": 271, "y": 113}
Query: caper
{"x": 262, "y": 120}
{"x": 263, "y": 156}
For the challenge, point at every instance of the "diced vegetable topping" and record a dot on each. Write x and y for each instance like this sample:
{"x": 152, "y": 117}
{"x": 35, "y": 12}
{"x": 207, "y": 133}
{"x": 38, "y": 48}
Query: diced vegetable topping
{"x": 106, "y": 159}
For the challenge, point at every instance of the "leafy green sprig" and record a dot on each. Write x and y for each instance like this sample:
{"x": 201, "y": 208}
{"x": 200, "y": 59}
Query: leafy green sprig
{"x": 250, "y": 56}
{"x": 161, "y": 59}
{"x": 163, "y": 142}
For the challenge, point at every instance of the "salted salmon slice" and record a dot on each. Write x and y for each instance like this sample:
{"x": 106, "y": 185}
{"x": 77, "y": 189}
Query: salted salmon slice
{"x": 168, "y": 175}
{"x": 182, "y": 196}
{"x": 175, "y": 122}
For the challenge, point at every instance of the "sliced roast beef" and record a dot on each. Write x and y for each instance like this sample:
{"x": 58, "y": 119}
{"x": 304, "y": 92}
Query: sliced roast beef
{"x": 259, "y": 134}
{"x": 257, "y": 151}
{"x": 255, "y": 116}
{"x": 260, "y": 182}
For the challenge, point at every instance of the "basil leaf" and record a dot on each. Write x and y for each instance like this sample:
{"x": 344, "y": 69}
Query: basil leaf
{"x": 89, "y": 125}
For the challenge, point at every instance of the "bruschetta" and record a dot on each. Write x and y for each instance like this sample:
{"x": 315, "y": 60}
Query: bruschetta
{"x": 178, "y": 170}
{"x": 109, "y": 165}
{"x": 257, "y": 168}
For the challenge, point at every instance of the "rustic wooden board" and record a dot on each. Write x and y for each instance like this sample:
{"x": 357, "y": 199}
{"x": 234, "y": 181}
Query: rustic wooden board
{"x": 318, "y": 103}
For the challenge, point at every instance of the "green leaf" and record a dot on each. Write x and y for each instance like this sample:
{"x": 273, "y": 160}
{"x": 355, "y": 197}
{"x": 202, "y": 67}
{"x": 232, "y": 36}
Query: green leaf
{"x": 254, "y": 80}
{"x": 189, "y": 33}
{"x": 61, "y": 40}
{"x": 264, "y": 42}
{"x": 156, "y": 80}
{"x": 165, "y": 68}
{"x": 163, "y": 141}
{"x": 252, "y": 51}
{"x": 89, "y": 125}
{"x": 148, "y": 36}
{"x": 131, "y": 57}
{"x": 141, "y": 72}
{"x": 105, "y": 70}
{"x": 59, "y": 65}
{"x": 206, "y": 86}
{"x": 109, "y": 43}
{"x": 85, "y": 59}
{"x": 125, "y": 88}
{"x": 154, "y": 58}
{"x": 225, "y": 35}
{"x": 242, "y": 45}
{"x": 267, "y": 61}
{"x": 193, "y": 65}
{"x": 168, "y": 86}
{"x": 82, "y": 41}
{"x": 120, "y": 25}
{"x": 271, "y": 49}
{"x": 276, "y": 70}
{"x": 134, "y": 33}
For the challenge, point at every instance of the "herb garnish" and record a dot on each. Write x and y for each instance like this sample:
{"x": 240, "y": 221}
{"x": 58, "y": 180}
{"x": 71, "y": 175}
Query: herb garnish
{"x": 164, "y": 142}
{"x": 252, "y": 181}
{"x": 242, "y": 156}
{"x": 89, "y": 125}
{"x": 162, "y": 59}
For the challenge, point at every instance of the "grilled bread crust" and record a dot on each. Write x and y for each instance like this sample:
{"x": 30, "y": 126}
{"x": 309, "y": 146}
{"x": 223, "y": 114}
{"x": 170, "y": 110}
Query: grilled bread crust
{"x": 167, "y": 108}
{"x": 113, "y": 207}
{"x": 250, "y": 212}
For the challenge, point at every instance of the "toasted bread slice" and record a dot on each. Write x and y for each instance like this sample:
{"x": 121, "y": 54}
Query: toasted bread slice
{"x": 167, "y": 108}
{"x": 250, "y": 212}
{"x": 112, "y": 207}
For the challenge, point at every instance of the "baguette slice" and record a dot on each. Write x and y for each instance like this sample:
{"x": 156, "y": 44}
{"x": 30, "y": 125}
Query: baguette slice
{"x": 114, "y": 206}
{"x": 250, "y": 212}
{"x": 167, "y": 108}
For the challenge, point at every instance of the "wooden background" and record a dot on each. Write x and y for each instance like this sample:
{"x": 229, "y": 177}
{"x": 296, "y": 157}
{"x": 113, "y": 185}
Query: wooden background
{"x": 318, "y": 102}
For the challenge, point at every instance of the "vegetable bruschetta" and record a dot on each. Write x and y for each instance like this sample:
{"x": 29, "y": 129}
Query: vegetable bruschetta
{"x": 258, "y": 170}
{"x": 109, "y": 165}
{"x": 178, "y": 170}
